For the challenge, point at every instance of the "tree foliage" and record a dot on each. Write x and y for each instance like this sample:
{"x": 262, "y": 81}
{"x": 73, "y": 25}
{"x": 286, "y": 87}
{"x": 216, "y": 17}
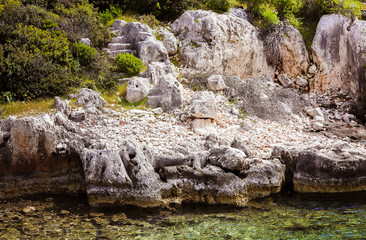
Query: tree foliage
{"x": 270, "y": 12}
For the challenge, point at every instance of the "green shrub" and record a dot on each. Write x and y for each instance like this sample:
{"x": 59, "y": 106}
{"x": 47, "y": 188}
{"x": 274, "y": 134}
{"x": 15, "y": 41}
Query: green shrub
{"x": 82, "y": 21}
{"x": 85, "y": 54}
{"x": 129, "y": 64}
{"x": 269, "y": 15}
{"x": 219, "y": 5}
{"x": 270, "y": 12}
{"x": 110, "y": 14}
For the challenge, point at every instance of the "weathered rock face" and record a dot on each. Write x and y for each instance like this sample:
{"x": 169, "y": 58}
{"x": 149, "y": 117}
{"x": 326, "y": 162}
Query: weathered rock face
{"x": 89, "y": 98}
{"x": 170, "y": 42}
{"x": 31, "y": 161}
{"x": 315, "y": 169}
{"x": 221, "y": 44}
{"x": 293, "y": 53}
{"x": 138, "y": 39}
{"x": 339, "y": 51}
{"x": 216, "y": 83}
{"x": 137, "y": 89}
{"x": 167, "y": 94}
{"x": 156, "y": 70}
{"x": 203, "y": 105}
{"x": 55, "y": 154}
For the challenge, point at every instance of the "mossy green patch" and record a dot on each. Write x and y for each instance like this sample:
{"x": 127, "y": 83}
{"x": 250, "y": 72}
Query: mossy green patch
{"x": 26, "y": 108}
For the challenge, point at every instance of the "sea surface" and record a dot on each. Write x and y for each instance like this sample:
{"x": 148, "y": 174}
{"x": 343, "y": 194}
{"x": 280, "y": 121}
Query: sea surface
{"x": 282, "y": 216}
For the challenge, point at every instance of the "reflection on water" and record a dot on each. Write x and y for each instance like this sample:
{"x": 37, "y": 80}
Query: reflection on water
{"x": 291, "y": 216}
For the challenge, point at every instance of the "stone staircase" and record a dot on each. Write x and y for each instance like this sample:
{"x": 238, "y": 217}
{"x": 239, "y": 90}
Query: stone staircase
{"x": 119, "y": 45}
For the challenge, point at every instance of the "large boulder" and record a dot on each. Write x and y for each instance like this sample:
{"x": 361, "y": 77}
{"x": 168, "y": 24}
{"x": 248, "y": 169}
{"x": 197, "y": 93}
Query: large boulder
{"x": 170, "y": 42}
{"x": 142, "y": 39}
{"x": 203, "y": 105}
{"x": 229, "y": 159}
{"x": 88, "y": 98}
{"x": 293, "y": 54}
{"x": 30, "y": 160}
{"x": 221, "y": 44}
{"x": 338, "y": 50}
{"x": 137, "y": 89}
{"x": 104, "y": 168}
{"x": 316, "y": 169}
{"x": 155, "y": 70}
{"x": 167, "y": 94}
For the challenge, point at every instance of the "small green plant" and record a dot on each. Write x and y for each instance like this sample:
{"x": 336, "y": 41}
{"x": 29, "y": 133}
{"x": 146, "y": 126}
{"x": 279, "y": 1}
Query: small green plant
{"x": 6, "y": 97}
{"x": 219, "y": 5}
{"x": 110, "y": 14}
{"x": 129, "y": 64}
{"x": 85, "y": 54}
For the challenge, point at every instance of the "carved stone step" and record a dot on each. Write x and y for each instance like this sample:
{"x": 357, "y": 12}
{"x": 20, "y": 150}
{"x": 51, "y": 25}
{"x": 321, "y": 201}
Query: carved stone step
{"x": 120, "y": 46}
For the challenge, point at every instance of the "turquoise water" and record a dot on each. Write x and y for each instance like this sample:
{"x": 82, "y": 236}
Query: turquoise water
{"x": 289, "y": 216}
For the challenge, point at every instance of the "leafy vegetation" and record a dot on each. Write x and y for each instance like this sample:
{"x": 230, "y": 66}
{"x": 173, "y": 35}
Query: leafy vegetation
{"x": 40, "y": 53}
{"x": 267, "y": 13}
{"x": 129, "y": 64}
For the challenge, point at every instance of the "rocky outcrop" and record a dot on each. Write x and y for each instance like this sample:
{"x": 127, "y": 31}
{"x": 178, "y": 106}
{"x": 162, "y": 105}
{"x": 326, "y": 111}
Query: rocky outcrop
{"x": 293, "y": 54}
{"x": 202, "y": 110}
{"x": 317, "y": 169}
{"x": 54, "y": 154}
{"x": 170, "y": 42}
{"x": 138, "y": 39}
{"x": 167, "y": 94}
{"x": 33, "y": 162}
{"x": 156, "y": 70}
{"x": 339, "y": 52}
{"x": 221, "y": 44}
{"x": 216, "y": 83}
{"x": 137, "y": 89}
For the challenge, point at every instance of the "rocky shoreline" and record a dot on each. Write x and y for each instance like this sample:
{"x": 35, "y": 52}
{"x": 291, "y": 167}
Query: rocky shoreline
{"x": 246, "y": 135}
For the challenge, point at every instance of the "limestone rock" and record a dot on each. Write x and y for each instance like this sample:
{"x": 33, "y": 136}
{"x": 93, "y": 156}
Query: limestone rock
{"x": 156, "y": 70}
{"x": 294, "y": 56}
{"x": 29, "y": 163}
{"x": 137, "y": 89}
{"x": 170, "y": 42}
{"x": 301, "y": 82}
{"x": 221, "y": 44}
{"x": 138, "y": 39}
{"x": 313, "y": 112}
{"x": 286, "y": 81}
{"x": 77, "y": 115}
{"x": 62, "y": 106}
{"x": 239, "y": 12}
{"x": 313, "y": 69}
{"x": 341, "y": 169}
{"x": 85, "y": 41}
{"x": 117, "y": 24}
{"x": 239, "y": 144}
{"x": 203, "y": 105}
{"x": 230, "y": 159}
{"x": 264, "y": 177}
{"x": 216, "y": 83}
{"x": 167, "y": 94}
{"x": 104, "y": 168}
{"x": 338, "y": 49}
{"x": 88, "y": 98}
{"x": 203, "y": 126}
{"x": 152, "y": 50}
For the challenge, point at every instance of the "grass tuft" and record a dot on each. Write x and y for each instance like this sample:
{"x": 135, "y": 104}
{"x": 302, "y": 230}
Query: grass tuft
{"x": 22, "y": 109}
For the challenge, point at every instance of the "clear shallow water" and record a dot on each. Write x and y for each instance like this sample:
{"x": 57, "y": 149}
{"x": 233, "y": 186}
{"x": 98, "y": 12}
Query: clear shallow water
{"x": 291, "y": 216}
